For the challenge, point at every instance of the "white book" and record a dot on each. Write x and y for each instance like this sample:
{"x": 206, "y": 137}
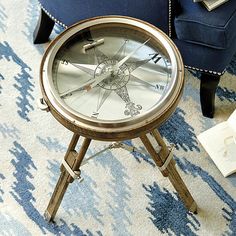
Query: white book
{"x": 212, "y": 4}
{"x": 220, "y": 143}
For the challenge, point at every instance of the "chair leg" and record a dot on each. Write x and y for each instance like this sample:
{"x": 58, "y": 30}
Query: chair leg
{"x": 209, "y": 83}
{"x": 43, "y": 29}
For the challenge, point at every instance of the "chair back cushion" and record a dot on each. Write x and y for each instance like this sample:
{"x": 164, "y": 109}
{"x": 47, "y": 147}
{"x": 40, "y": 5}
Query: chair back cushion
{"x": 69, "y": 12}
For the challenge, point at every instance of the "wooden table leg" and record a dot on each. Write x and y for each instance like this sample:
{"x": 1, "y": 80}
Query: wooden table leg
{"x": 73, "y": 159}
{"x": 170, "y": 170}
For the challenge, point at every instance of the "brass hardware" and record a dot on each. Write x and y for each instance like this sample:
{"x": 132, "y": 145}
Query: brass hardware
{"x": 42, "y": 105}
{"x": 91, "y": 45}
{"x": 168, "y": 159}
{"x": 75, "y": 174}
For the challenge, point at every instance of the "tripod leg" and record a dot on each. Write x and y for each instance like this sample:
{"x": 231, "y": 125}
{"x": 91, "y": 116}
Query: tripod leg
{"x": 170, "y": 170}
{"x": 74, "y": 160}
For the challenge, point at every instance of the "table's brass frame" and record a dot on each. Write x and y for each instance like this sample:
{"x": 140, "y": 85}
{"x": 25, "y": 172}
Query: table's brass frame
{"x": 114, "y": 132}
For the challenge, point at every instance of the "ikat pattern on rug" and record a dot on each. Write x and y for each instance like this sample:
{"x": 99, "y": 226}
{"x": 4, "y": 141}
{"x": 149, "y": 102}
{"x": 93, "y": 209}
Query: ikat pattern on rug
{"x": 122, "y": 193}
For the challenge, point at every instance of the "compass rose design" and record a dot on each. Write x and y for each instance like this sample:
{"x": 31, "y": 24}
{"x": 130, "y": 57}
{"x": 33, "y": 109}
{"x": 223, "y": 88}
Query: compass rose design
{"x": 111, "y": 75}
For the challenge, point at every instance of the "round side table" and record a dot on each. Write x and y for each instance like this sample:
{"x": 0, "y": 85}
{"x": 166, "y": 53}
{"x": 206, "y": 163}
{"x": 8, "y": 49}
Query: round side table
{"x": 112, "y": 78}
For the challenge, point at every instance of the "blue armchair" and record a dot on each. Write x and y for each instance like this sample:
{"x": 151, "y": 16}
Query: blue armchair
{"x": 206, "y": 40}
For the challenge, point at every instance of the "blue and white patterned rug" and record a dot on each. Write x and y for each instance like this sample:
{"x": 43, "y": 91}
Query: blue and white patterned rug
{"x": 122, "y": 194}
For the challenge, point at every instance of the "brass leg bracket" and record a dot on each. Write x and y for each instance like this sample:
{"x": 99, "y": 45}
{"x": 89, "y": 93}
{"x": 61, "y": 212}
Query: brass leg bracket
{"x": 167, "y": 159}
{"x": 75, "y": 174}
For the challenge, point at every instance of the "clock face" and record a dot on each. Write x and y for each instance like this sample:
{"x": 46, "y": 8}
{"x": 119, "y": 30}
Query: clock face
{"x": 111, "y": 72}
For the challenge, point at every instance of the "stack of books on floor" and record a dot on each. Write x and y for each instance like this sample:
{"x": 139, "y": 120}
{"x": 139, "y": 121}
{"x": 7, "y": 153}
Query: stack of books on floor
{"x": 220, "y": 144}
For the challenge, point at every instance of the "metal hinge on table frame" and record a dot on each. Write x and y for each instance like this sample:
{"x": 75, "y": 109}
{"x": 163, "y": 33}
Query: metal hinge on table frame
{"x": 42, "y": 105}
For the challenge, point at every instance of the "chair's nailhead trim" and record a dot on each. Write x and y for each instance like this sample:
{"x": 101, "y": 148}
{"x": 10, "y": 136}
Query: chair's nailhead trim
{"x": 52, "y": 17}
{"x": 169, "y": 18}
{"x": 207, "y": 71}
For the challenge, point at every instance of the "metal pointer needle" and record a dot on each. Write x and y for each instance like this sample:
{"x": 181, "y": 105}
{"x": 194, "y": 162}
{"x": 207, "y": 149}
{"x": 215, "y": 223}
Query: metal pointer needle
{"x": 121, "y": 62}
